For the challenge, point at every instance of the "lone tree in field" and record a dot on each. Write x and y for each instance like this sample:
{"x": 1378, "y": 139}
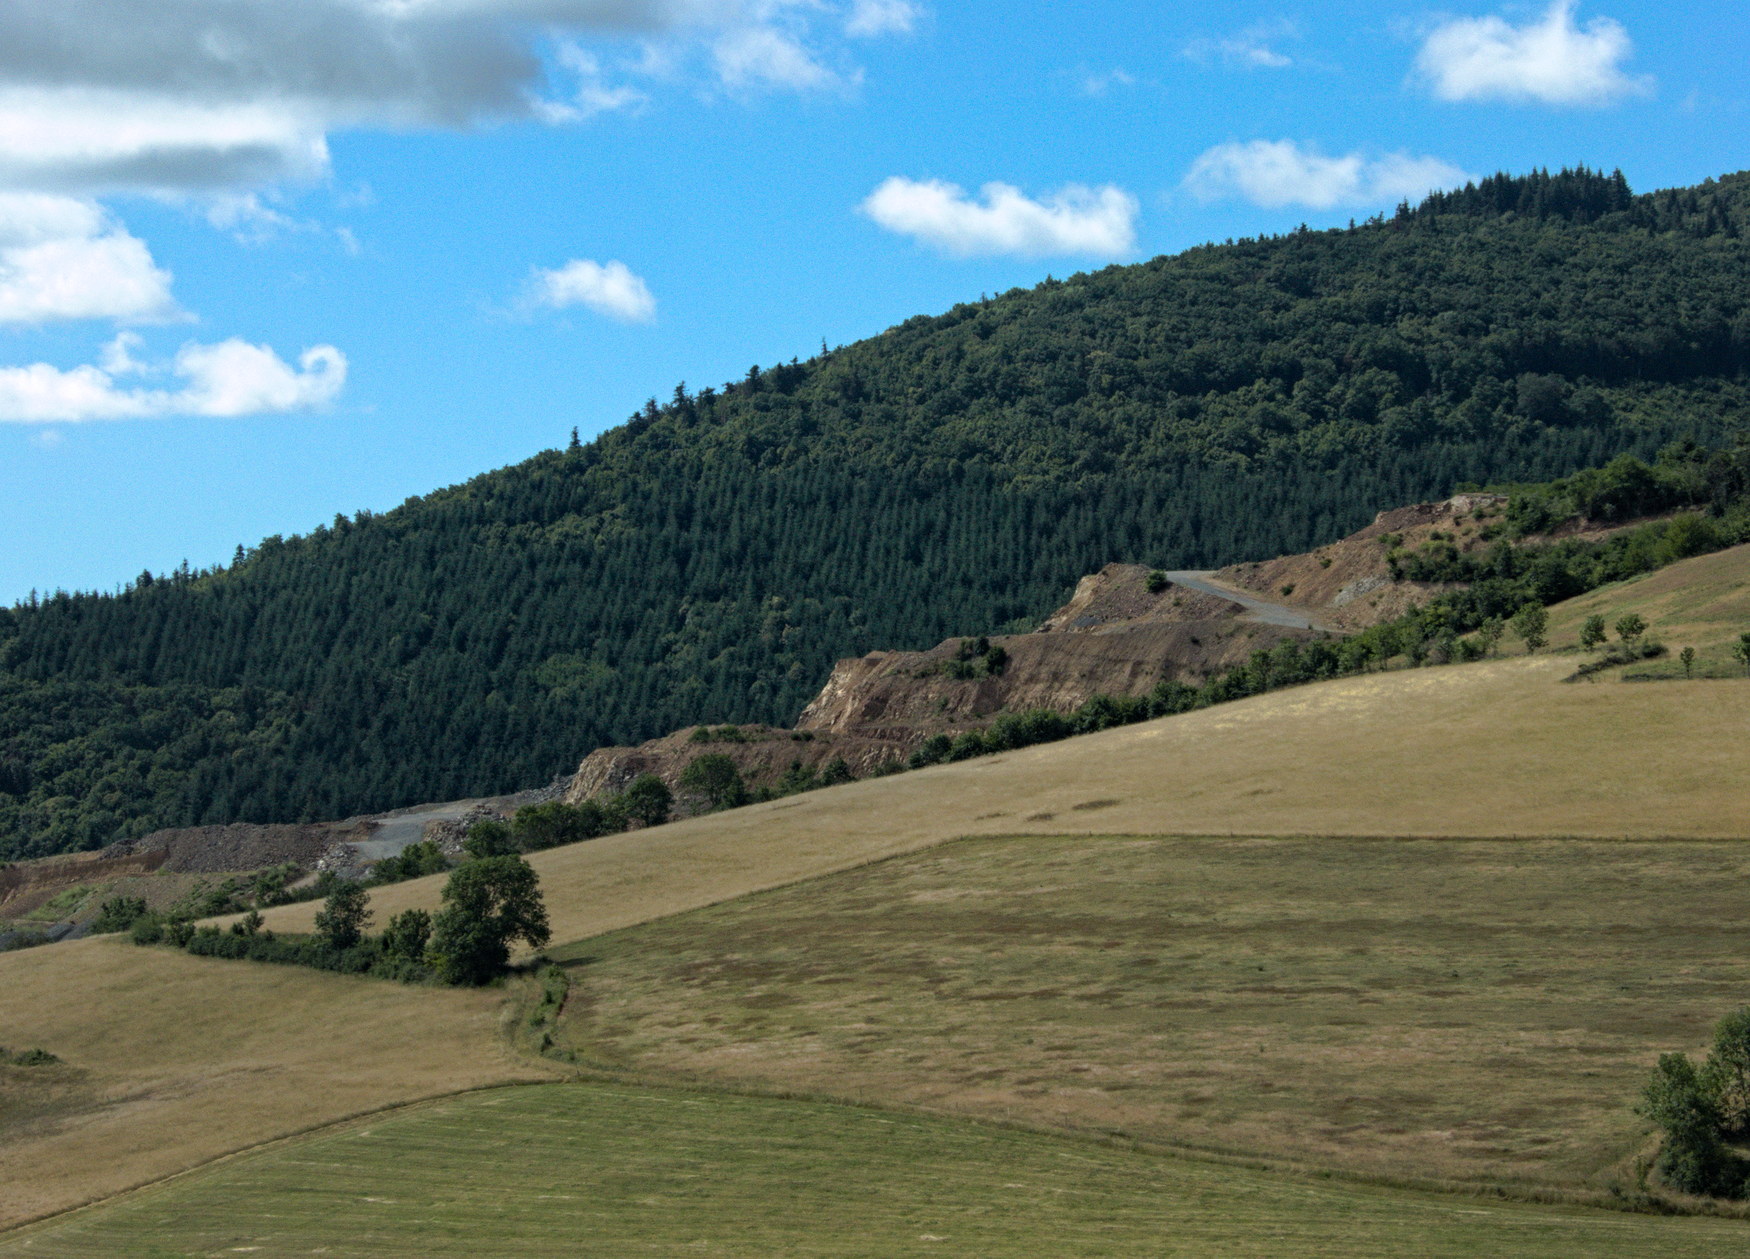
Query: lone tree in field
{"x": 1531, "y": 623}
{"x": 1687, "y": 656}
{"x": 1630, "y": 628}
{"x": 342, "y": 920}
{"x": 715, "y": 777}
{"x": 1592, "y": 632}
{"x": 489, "y": 904}
{"x": 1741, "y": 649}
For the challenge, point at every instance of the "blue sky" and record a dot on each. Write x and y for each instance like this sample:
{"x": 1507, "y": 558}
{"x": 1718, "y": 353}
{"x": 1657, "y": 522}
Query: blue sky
{"x": 261, "y": 263}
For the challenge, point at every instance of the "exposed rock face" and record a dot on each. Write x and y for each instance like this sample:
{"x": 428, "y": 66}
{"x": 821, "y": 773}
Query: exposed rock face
{"x": 762, "y": 754}
{"x": 1113, "y": 637}
{"x": 1348, "y": 584}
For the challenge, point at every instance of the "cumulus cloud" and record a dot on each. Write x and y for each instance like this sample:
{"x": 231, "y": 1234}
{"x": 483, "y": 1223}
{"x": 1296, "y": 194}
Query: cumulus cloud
{"x": 1074, "y": 220}
{"x": 1554, "y": 61}
{"x": 869, "y": 18}
{"x": 230, "y": 378}
{"x": 613, "y": 290}
{"x": 1276, "y": 173}
{"x": 196, "y": 95}
{"x": 66, "y": 258}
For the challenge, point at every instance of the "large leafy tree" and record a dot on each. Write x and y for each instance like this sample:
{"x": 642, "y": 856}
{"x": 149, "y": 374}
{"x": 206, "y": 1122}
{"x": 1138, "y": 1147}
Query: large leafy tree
{"x": 489, "y": 905}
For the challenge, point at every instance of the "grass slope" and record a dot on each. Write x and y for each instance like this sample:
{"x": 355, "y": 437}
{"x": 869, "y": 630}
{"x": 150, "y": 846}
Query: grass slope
{"x": 607, "y": 1170}
{"x": 172, "y": 1060}
{"x": 1702, "y": 603}
{"x": 1491, "y": 749}
{"x": 1455, "y": 1011}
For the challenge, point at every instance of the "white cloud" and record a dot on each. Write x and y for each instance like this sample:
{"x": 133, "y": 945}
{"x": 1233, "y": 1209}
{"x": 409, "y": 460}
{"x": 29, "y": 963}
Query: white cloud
{"x": 1250, "y": 49}
{"x": 66, "y": 258}
{"x": 613, "y": 290}
{"x": 1074, "y": 220}
{"x": 1100, "y": 84}
{"x": 1276, "y": 173}
{"x": 870, "y": 18}
{"x": 591, "y": 95}
{"x": 98, "y": 96}
{"x": 230, "y": 378}
{"x": 765, "y": 57}
{"x": 1554, "y": 61}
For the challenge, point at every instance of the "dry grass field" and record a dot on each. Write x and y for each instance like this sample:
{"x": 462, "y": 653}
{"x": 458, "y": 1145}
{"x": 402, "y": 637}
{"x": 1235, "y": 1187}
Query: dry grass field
{"x": 1702, "y": 603}
{"x": 611, "y": 1171}
{"x": 1500, "y": 748}
{"x": 1469, "y": 1011}
{"x": 171, "y": 1060}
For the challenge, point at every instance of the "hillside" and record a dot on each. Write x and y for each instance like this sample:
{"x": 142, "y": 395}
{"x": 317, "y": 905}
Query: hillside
{"x": 710, "y": 559}
{"x": 1403, "y": 760}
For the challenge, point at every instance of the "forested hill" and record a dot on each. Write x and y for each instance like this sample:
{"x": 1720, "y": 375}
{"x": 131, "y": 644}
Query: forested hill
{"x": 708, "y": 560}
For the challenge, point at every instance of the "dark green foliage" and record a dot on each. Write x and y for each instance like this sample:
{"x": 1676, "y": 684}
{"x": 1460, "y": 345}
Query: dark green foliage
{"x": 932, "y": 751}
{"x": 118, "y": 913}
{"x": 413, "y": 862}
{"x": 1629, "y": 628}
{"x": 27, "y": 1058}
{"x": 715, "y": 777}
{"x": 1531, "y": 623}
{"x": 1157, "y": 582}
{"x": 538, "y": 826}
{"x": 489, "y": 905}
{"x": 12, "y": 941}
{"x": 1592, "y": 632}
{"x": 1741, "y": 651}
{"x": 248, "y": 925}
{"x": 710, "y": 559}
{"x": 1687, "y": 656}
{"x": 647, "y": 800}
{"x": 489, "y": 838}
{"x": 836, "y": 771}
{"x": 342, "y": 920}
{"x": 1693, "y": 1157}
{"x": 407, "y": 935}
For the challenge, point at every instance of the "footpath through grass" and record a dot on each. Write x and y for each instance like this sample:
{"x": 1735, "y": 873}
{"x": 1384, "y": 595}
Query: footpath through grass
{"x": 589, "y": 1169}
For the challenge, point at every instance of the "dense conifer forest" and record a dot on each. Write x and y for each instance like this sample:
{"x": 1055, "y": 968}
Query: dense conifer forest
{"x": 709, "y": 559}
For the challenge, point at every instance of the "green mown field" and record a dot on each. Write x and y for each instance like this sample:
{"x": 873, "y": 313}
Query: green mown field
{"x": 589, "y": 1169}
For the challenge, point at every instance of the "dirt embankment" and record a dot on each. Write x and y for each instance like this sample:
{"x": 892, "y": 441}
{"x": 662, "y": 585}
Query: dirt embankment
{"x": 762, "y": 755}
{"x": 1348, "y": 584}
{"x": 1115, "y": 636}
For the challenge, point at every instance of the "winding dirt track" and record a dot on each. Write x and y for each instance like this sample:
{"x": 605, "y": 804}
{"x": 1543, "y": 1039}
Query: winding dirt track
{"x": 1257, "y": 609}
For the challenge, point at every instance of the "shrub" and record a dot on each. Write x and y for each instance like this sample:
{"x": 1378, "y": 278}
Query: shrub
{"x": 488, "y": 838}
{"x": 407, "y": 935}
{"x": 932, "y": 751}
{"x": 1156, "y": 582}
{"x": 715, "y": 777}
{"x": 118, "y": 913}
{"x": 550, "y": 825}
{"x": 647, "y": 800}
{"x": 343, "y": 917}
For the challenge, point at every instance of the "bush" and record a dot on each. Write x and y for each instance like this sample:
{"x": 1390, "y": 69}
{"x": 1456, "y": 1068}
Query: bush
{"x": 715, "y": 777}
{"x": 489, "y": 838}
{"x": 648, "y": 800}
{"x": 412, "y": 862}
{"x": 118, "y": 913}
{"x": 555, "y": 823}
{"x": 343, "y": 917}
